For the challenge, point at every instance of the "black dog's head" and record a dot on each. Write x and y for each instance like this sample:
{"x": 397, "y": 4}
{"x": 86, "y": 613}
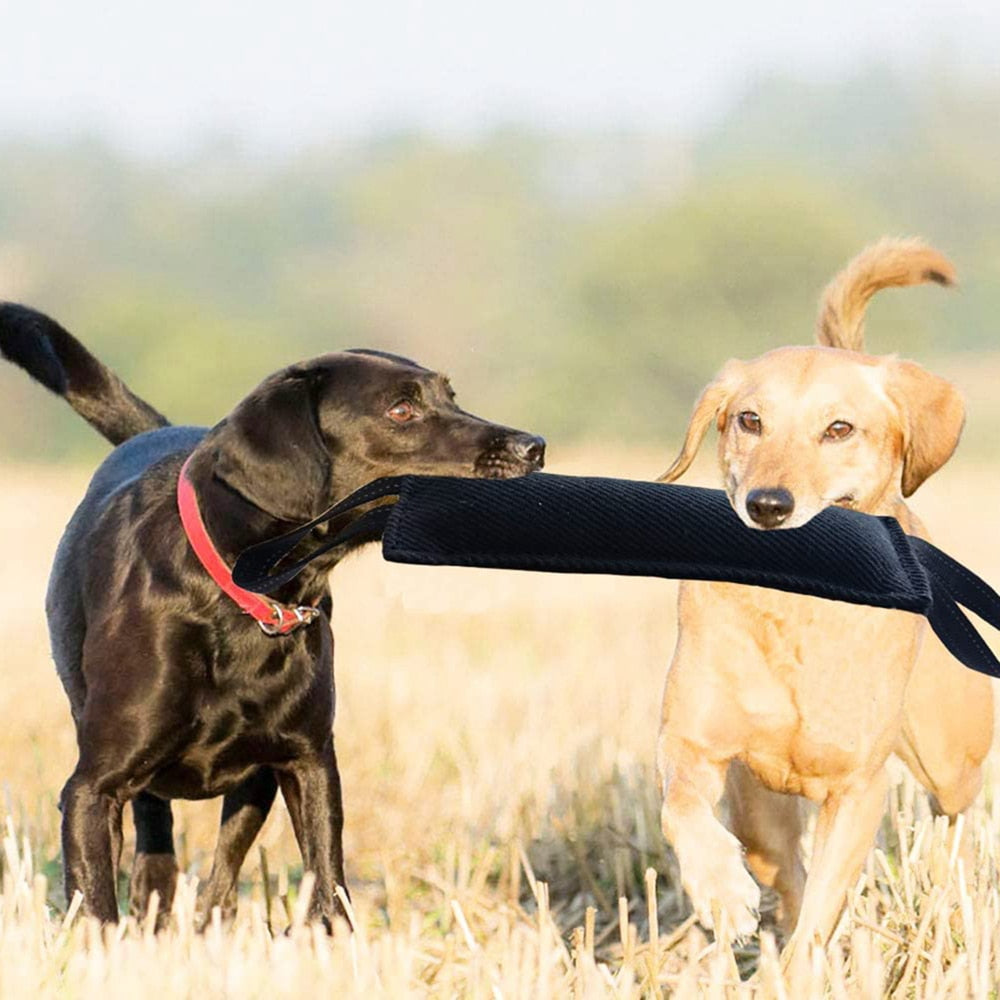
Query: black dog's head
{"x": 315, "y": 432}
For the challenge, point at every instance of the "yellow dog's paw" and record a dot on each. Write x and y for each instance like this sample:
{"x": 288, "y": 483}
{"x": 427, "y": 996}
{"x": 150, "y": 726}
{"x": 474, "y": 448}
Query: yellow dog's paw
{"x": 728, "y": 892}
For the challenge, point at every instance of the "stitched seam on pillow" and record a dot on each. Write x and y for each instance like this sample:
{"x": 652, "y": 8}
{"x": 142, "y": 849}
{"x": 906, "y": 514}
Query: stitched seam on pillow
{"x": 915, "y": 573}
{"x": 887, "y": 599}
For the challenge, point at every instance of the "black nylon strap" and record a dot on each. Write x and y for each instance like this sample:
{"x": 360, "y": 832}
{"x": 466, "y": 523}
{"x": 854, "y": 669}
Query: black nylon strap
{"x": 952, "y": 584}
{"x": 961, "y": 583}
{"x": 958, "y": 634}
{"x": 368, "y": 527}
{"x": 252, "y": 569}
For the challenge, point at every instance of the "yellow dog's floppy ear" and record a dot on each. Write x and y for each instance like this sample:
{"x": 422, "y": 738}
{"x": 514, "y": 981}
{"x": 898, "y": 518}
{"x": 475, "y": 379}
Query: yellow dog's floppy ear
{"x": 932, "y": 413}
{"x": 711, "y": 405}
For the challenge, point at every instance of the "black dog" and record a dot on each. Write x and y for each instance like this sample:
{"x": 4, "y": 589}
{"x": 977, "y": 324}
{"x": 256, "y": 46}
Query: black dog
{"x": 175, "y": 692}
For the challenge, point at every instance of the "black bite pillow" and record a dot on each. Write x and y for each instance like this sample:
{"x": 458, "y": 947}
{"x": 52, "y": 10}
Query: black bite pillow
{"x": 587, "y": 524}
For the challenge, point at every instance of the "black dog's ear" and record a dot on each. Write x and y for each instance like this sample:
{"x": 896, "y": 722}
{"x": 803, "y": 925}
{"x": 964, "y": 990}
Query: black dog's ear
{"x": 270, "y": 448}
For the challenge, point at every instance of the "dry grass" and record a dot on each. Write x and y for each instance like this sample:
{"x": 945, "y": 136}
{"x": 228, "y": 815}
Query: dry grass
{"x": 495, "y": 732}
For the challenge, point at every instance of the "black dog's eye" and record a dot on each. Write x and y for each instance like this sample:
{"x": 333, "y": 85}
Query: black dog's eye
{"x": 749, "y": 421}
{"x": 838, "y": 430}
{"x": 402, "y": 412}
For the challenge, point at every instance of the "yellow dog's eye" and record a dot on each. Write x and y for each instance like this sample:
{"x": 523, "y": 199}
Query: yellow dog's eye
{"x": 749, "y": 421}
{"x": 838, "y": 430}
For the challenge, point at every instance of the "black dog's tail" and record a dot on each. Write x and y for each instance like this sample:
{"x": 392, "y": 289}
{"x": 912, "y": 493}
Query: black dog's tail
{"x": 61, "y": 363}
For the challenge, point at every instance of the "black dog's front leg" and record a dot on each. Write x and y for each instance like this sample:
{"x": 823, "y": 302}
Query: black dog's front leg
{"x": 87, "y": 846}
{"x": 311, "y": 789}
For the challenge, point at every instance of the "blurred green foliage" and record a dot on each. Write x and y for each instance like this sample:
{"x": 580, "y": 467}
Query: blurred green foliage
{"x": 584, "y": 286}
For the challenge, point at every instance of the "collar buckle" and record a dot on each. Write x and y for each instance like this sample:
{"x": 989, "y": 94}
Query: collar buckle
{"x": 285, "y": 620}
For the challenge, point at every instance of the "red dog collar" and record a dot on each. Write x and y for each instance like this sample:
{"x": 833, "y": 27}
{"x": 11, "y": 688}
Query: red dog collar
{"x": 273, "y": 618}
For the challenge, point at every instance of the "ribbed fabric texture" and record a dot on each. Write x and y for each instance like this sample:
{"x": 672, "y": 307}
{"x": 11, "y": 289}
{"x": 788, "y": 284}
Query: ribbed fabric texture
{"x": 587, "y": 524}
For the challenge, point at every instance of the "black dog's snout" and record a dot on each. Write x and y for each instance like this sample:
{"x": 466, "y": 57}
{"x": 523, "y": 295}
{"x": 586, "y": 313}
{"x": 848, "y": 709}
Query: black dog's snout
{"x": 769, "y": 508}
{"x": 528, "y": 448}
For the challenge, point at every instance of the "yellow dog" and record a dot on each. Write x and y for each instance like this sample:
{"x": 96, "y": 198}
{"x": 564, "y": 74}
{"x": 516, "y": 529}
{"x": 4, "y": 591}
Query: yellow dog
{"x": 773, "y": 695}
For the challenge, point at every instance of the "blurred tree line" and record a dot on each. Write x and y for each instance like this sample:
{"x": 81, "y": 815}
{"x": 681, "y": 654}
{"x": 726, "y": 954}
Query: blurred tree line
{"x": 584, "y": 285}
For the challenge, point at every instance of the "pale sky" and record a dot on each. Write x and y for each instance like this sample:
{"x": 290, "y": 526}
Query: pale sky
{"x": 155, "y": 77}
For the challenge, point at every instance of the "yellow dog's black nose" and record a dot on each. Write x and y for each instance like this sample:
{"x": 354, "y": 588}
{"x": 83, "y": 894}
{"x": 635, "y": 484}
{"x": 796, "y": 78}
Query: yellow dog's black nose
{"x": 769, "y": 508}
